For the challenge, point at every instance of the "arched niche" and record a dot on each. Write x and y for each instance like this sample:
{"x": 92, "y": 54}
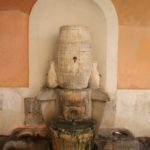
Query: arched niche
{"x": 111, "y": 44}
{"x": 45, "y": 21}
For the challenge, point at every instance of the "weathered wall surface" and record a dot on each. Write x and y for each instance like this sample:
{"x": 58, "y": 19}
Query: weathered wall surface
{"x": 46, "y": 18}
{"x": 133, "y": 111}
{"x": 133, "y": 95}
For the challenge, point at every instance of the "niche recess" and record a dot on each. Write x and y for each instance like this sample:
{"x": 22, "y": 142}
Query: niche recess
{"x": 14, "y": 19}
{"x": 99, "y": 15}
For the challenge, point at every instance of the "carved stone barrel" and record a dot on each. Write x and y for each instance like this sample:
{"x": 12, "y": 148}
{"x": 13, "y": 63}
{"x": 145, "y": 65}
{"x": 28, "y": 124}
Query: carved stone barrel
{"x": 74, "y": 60}
{"x": 74, "y": 34}
{"x": 74, "y": 104}
{"x": 72, "y": 135}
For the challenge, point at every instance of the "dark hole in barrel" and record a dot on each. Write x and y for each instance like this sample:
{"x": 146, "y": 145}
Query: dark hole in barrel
{"x": 75, "y": 59}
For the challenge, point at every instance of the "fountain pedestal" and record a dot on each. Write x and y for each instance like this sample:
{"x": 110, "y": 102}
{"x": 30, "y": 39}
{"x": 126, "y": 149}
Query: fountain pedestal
{"x": 72, "y": 135}
{"x": 73, "y": 128}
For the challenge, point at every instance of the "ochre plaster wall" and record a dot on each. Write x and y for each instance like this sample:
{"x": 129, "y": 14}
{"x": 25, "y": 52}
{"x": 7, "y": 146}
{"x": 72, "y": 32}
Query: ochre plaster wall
{"x": 13, "y": 48}
{"x": 134, "y": 44}
{"x": 133, "y": 94}
{"x": 14, "y": 62}
{"x": 22, "y": 5}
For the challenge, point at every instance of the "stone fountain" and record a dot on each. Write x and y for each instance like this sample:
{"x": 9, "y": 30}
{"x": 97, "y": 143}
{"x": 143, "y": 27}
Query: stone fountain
{"x": 73, "y": 92}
